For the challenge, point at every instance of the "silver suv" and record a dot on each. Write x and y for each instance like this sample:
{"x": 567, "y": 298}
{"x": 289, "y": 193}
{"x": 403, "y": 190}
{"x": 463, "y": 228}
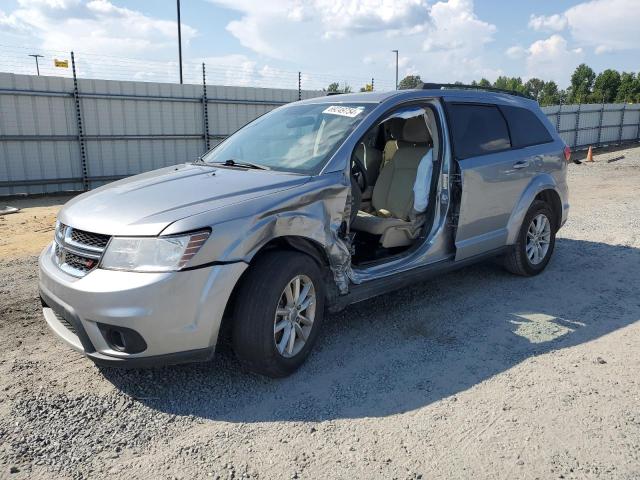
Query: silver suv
{"x": 314, "y": 206}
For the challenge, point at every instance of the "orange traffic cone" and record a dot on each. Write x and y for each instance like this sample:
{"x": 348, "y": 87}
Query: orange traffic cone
{"x": 590, "y": 155}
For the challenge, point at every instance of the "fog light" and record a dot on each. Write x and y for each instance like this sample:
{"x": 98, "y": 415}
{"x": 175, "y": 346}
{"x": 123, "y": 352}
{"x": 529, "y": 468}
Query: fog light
{"x": 122, "y": 339}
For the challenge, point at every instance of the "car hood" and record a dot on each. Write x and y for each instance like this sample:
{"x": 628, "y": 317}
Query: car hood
{"x": 146, "y": 204}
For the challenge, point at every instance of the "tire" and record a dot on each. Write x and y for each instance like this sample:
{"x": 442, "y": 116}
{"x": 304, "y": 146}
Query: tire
{"x": 518, "y": 261}
{"x": 261, "y": 296}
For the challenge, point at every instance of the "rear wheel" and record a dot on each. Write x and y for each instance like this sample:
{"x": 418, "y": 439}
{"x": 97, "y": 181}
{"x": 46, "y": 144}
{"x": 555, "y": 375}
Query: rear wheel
{"x": 535, "y": 243}
{"x": 279, "y": 310}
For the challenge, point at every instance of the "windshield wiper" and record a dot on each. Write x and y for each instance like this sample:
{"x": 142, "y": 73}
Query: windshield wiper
{"x": 233, "y": 163}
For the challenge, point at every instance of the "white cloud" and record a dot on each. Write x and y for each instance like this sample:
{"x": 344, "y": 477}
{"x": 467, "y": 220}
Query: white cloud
{"x": 343, "y": 17}
{"x": 551, "y": 23}
{"x": 98, "y": 26}
{"x": 455, "y": 26}
{"x": 330, "y": 19}
{"x": 516, "y": 52}
{"x": 445, "y": 39}
{"x": 552, "y": 59}
{"x": 605, "y": 25}
{"x": 456, "y": 43}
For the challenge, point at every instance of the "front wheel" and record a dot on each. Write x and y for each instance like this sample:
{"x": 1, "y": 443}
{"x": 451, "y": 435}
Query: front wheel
{"x": 536, "y": 240}
{"x": 279, "y": 309}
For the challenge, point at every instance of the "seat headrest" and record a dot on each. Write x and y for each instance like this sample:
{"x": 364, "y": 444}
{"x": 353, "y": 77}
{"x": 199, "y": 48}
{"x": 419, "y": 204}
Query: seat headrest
{"x": 415, "y": 131}
{"x": 395, "y": 128}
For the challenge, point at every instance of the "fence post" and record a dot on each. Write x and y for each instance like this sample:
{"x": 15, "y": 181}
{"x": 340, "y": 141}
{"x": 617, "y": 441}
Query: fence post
{"x": 575, "y": 132}
{"x": 81, "y": 139}
{"x": 205, "y": 110}
{"x": 624, "y": 110}
{"x": 558, "y": 114}
{"x": 600, "y": 121}
{"x": 299, "y": 85}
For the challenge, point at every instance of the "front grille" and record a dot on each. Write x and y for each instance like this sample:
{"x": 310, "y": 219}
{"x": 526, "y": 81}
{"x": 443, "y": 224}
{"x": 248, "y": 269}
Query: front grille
{"x": 90, "y": 239}
{"x": 77, "y": 252}
{"x": 77, "y": 262}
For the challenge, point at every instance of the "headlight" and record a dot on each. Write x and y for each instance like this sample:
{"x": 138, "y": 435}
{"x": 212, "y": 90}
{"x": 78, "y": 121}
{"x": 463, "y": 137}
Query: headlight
{"x": 158, "y": 254}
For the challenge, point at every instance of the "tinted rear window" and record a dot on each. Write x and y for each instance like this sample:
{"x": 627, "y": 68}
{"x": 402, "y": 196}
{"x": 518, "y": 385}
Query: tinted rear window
{"x": 526, "y": 129}
{"x": 478, "y": 130}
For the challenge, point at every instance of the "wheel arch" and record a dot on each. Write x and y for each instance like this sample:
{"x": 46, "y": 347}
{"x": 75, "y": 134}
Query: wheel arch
{"x": 552, "y": 198}
{"x": 542, "y": 187}
{"x": 305, "y": 245}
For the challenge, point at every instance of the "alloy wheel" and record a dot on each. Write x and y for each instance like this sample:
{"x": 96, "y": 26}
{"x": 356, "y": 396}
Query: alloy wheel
{"x": 538, "y": 239}
{"x": 294, "y": 316}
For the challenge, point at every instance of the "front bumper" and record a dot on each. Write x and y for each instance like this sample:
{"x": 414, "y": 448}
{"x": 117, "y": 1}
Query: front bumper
{"x": 178, "y": 314}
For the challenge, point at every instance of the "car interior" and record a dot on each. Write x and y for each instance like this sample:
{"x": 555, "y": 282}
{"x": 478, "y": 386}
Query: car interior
{"x": 386, "y": 186}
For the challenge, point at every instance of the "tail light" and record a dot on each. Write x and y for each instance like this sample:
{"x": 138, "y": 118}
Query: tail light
{"x": 567, "y": 153}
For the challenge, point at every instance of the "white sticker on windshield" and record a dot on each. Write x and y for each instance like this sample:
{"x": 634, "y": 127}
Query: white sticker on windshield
{"x": 344, "y": 111}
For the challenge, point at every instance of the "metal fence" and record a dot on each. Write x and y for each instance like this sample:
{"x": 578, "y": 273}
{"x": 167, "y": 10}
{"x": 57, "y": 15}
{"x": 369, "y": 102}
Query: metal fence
{"x": 65, "y": 134}
{"x": 69, "y": 134}
{"x": 232, "y": 70}
{"x": 581, "y": 126}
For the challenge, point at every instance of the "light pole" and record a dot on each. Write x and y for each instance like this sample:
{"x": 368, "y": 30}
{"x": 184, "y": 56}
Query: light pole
{"x": 36, "y": 56}
{"x": 396, "y": 52}
{"x": 179, "y": 41}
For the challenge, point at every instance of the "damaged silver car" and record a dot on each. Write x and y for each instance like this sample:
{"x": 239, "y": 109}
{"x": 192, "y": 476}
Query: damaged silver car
{"x": 313, "y": 206}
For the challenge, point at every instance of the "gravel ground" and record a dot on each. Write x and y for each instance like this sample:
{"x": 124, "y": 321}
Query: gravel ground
{"x": 478, "y": 374}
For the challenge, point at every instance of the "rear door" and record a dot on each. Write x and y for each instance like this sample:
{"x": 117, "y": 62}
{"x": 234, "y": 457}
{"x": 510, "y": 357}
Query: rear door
{"x": 493, "y": 176}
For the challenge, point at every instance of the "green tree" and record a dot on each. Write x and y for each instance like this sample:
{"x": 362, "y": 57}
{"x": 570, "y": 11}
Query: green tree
{"x": 333, "y": 87}
{"x": 626, "y": 88}
{"x": 501, "y": 82}
{"x": 484, "y": 83}
{"x": 549, "y": 94}
{"x": 605, "y": 88}
{"x": 582, "y": 83}
{"x": 509, "y": 83}
{"x": 534, "y": 87}
{"x": 629, "y": 89}
{"x": 410, "y": 81}
{"x": 564, "y": 96}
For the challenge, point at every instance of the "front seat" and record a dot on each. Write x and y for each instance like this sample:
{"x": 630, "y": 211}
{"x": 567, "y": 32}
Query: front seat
{"x": 394, "y": 133}
{"x": 393, "y": 192}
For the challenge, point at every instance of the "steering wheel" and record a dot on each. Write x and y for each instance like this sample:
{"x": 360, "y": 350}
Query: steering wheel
{"x": 359, "y": 173}
{"x": 356, "y": 199}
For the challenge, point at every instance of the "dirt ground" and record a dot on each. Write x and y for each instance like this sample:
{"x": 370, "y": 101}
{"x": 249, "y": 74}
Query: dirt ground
{"x": 27, "y": 231}
{"x": 477, "y": 374}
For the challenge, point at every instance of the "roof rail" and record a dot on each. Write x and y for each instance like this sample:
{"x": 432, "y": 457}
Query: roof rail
{"x": 442, "y": 86}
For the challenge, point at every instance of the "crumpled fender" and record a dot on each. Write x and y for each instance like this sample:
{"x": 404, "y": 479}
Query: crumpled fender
{"x": 315, "y": 210}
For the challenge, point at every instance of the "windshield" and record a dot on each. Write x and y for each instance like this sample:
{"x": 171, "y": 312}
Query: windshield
{"x": 296, "y": 138}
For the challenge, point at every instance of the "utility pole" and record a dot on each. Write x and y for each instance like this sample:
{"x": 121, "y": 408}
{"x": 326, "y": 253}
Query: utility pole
{"x": 396, "y": 52}
{"x": 179, "y": 41}
{"x": 36, "y": 56}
